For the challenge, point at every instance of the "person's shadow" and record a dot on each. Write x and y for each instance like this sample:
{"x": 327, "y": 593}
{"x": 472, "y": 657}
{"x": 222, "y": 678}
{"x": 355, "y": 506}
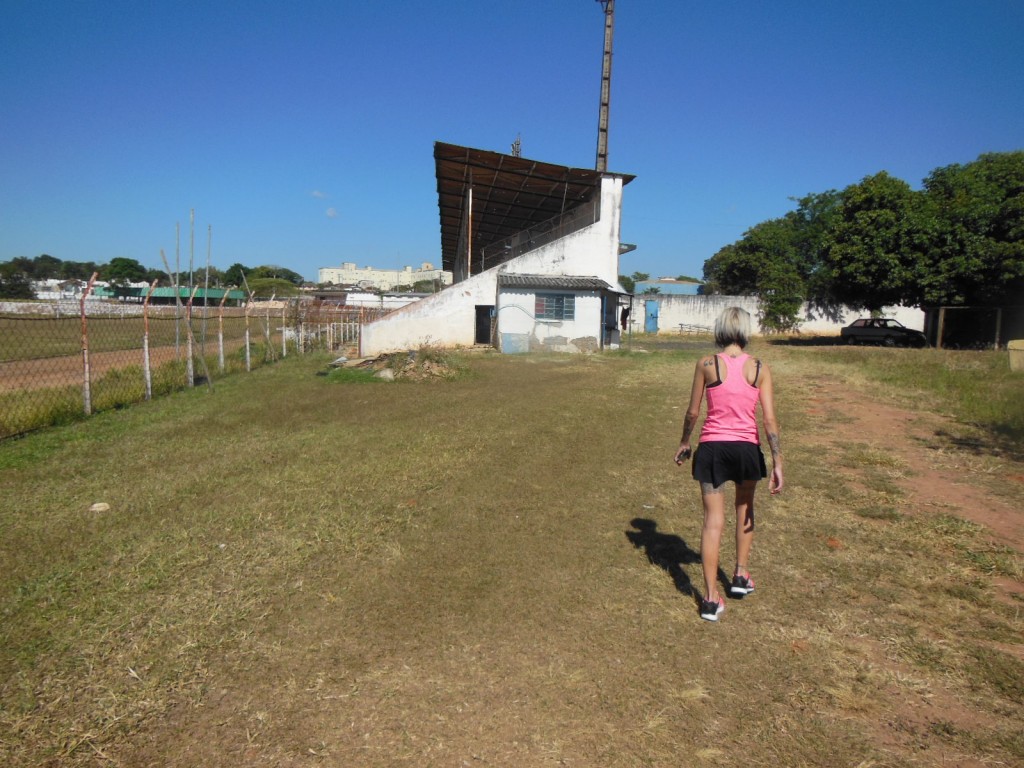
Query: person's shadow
{"x": 669, "y": 552}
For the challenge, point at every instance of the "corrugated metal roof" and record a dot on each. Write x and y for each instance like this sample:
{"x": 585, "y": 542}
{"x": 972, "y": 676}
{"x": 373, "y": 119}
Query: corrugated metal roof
{"x": 510, "y": 194}
{"x": 562, "y": 282}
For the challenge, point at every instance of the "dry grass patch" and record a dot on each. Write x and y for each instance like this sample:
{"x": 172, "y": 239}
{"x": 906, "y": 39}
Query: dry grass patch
{"x": 497, "y": 569}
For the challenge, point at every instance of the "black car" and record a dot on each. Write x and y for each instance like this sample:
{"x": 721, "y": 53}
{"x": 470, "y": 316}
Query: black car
{"x": 882, "y": 330}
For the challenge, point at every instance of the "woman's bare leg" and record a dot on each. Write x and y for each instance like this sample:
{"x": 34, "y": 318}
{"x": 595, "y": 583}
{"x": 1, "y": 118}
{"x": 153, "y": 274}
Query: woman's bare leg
{"x": 711, "y": 535}
{"x": 744, "y": 524}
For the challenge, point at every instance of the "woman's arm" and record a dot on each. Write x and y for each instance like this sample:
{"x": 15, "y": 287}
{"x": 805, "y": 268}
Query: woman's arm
{"x": 692, "y": 411}
{"x": 771, "y": 428}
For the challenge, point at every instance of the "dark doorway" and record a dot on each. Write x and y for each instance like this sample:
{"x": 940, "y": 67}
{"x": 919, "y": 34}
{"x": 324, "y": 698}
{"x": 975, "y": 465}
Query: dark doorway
{"x": 484, "y": 320}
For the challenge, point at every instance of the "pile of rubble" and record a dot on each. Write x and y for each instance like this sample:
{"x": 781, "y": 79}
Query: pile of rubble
{"x": 409, "y": 365}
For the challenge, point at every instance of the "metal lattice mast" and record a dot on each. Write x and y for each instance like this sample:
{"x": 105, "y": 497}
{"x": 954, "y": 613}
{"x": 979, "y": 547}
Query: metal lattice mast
{"x": 606, "y": 86}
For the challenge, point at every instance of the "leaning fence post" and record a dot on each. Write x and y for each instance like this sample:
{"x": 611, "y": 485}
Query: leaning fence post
{"x": 190, "y": 370}
{"x": 266, "y": 334}
{"x": 220, "y": 330}
{"x": 86, "y": 379}
{"x": 284, "y": 328}
{"x": 248, "y": 352}
{"x": 146, "y": 370}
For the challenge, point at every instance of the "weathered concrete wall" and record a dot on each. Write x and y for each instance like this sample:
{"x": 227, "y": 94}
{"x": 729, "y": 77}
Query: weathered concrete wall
{"x": 519, "y": 331}
{"x": 702, "y": 311}
{"x": 445, "y": 319}
{"x": 591, "y": 252}
{"x": 448, "y": 318}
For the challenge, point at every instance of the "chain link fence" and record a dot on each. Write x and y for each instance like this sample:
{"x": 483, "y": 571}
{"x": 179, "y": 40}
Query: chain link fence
{"x": 61, "y": 361}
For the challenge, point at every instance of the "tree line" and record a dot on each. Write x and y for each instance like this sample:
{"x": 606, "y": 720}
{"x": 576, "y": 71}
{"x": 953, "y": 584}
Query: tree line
{"x": 958, "y": 241}
{"x": 18, "y": 275}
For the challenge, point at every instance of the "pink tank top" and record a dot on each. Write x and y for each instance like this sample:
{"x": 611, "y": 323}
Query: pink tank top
{"x": 732, "y": 406}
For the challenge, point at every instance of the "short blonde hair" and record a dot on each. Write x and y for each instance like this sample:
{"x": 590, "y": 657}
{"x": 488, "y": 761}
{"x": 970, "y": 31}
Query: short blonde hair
{"x": 732, "y": 327}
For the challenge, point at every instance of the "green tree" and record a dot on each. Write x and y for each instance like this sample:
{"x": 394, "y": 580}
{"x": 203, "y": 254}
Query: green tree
{"x": 77, "y": 270}
{"x": 780, "y": 297}
{"x": 272, "y": 271}
{"x": 628, "y": 283}
{"x": 46, "y": 267}
{"x": 812, "y": 220}
{"x": 14, "y": 283}
{"x": 737, "y": 269}
{"x": 977, "y": 253}
{"x": 24, "y": 266}
{"x": 122, "y": 270}
{"x": 236, "y": 274}
{"x": 425, "y": 286}
{"x": 874, "y": 251}
{"x": 265, "y": 287}
{"x": 155, "y": 274}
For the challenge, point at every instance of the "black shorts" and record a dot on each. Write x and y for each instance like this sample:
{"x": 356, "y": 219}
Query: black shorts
{"x": 719, "y": 461}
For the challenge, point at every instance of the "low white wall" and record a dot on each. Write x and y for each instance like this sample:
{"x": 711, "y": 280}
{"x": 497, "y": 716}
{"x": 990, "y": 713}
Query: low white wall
{"x": 702, "y": 311}
{"x": 445, "y": 319}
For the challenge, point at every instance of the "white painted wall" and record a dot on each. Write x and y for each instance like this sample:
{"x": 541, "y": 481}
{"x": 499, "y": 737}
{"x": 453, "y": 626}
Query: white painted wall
{"x": 380, "y": 301}
{"x": 384, "y": 279}
{"x": 448, "y": 318}
{"x": 702, "y": 310}
{"x": 591, "y": 252}
{"x": 520, "y": 331}
{"x": 445, "y": 319}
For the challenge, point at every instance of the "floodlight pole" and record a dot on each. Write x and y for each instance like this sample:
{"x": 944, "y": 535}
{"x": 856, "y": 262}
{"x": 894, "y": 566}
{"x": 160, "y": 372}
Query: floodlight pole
{"x": 606, "y": 86}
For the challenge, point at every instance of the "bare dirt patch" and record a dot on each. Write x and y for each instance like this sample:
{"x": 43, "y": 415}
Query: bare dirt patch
{"x": 935, "y": 472}
{"x": 68, "y": 370}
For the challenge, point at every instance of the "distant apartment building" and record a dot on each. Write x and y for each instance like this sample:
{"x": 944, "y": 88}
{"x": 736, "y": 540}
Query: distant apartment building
{"x": 384, "y": 279}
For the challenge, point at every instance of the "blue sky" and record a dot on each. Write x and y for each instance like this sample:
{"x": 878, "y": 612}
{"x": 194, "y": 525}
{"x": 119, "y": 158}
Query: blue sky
{"x": 302, "y": 133}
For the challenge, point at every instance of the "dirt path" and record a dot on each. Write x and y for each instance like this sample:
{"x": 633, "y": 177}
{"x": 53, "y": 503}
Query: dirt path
{"x": 935, "y": 473}
{"x": 67, "y": 370}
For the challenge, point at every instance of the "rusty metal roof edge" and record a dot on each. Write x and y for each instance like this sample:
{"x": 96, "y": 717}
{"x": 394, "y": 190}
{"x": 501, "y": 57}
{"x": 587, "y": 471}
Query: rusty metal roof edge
{"x": 526, "y": 166}
{"x": 578, "y": 282}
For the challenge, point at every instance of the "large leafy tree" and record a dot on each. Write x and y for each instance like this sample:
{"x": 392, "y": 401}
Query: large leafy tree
{"x": 14, "y": 283}
{"x": 122, "y": 270}
{"x": 265, "y": 287}
{"x": 977, "y": 254}
{"x": 874, "y": 250}
{"x": 274, "y": 272}
{"x": 236, "y": 274}
{"x": 878, "y": 243}
{"x": 734, "y": 270}
{"x": 46, "y": 267}
{"x": 77, "y": 270}
{"x": 766, "y": 263}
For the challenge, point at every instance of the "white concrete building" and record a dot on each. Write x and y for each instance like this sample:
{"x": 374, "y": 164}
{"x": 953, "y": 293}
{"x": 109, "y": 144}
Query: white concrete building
{"x": 382, "y": 279}
{"x": 534, "y": 250}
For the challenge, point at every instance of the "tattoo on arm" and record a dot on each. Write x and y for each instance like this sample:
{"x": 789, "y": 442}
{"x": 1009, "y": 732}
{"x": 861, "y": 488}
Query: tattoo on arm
{"x": 773, "y": 443}
{"x": 688, "y": 425}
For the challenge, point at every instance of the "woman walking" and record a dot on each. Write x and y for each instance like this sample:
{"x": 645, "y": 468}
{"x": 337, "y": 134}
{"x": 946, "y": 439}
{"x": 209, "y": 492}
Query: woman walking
{"x": 730, "y": 449}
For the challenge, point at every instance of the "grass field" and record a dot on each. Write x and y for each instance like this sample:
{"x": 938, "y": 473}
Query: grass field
{"x": 498, "y": 569}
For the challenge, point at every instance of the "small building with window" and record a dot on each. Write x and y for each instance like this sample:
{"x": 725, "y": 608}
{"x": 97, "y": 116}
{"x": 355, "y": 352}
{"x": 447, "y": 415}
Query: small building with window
{"x": 554, "y": 313}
